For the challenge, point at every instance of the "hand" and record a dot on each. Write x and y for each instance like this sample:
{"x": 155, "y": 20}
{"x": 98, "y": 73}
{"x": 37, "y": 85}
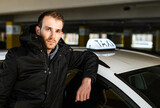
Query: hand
{"x": 84, "y": 90}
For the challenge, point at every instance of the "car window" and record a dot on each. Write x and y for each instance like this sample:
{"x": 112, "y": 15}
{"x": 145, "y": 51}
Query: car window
{"x": 146, "y": 81}
{"x": 108, "y": 98}
{"x": 102, "y": 96}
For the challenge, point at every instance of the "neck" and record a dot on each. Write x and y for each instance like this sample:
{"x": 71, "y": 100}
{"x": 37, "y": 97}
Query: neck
{"x": 48, "y": 51}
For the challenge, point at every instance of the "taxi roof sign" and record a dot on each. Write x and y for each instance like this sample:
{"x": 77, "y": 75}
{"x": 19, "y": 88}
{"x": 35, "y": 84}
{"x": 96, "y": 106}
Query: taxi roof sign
{"x": 100, "y": 44}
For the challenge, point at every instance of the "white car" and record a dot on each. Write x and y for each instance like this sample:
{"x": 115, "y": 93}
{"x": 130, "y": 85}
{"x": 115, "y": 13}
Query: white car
{"x": 126, "y": 79}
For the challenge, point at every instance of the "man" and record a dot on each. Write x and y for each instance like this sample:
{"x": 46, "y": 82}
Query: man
{"x": 33, "y": 75}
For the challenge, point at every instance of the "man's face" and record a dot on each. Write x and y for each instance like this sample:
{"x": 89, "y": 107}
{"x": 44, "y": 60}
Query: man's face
{"x": 51, "y": 32}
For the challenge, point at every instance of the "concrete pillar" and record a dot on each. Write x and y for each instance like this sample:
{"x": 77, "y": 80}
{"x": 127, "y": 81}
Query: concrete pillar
{"x": 2, "y": 40}
{"x": 156, "y": 41}
{"x": 83, "y": 35}
{"x": 127, "y": 38}
{"x": 13, "y": 31}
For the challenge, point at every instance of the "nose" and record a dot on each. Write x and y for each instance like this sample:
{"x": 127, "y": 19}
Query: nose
{"x": 52, "y": 34}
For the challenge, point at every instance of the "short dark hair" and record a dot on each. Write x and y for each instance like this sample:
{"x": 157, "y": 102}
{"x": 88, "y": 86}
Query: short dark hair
{"x": 53, "y": 14}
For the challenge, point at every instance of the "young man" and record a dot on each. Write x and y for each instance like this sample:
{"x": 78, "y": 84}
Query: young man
{"x": 33, "y": 75}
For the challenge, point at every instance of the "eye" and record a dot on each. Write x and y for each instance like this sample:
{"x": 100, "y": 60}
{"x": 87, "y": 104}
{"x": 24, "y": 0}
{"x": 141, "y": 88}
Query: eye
{"x": 48, "y": 29}
{"x": 58, "y": 31}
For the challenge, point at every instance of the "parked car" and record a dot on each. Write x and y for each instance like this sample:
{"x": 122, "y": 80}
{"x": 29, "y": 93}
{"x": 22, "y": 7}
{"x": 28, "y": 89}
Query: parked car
{"x": 2, "y": 55}
{"x": 126, "y": 79}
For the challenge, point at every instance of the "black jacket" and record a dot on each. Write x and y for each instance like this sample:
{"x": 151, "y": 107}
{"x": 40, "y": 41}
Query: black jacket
{"x": 28, "y": 81}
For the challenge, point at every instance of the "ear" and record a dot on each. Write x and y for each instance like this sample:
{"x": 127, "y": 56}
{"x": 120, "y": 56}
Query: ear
{"x": 38, "y": 30}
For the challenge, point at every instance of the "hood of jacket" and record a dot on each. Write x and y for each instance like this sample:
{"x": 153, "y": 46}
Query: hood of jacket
{"x": 30, "y": 39}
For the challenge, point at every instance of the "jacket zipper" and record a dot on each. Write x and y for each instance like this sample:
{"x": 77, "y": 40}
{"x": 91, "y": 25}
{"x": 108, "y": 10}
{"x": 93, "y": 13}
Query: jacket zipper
{"x": 46, "y": 72}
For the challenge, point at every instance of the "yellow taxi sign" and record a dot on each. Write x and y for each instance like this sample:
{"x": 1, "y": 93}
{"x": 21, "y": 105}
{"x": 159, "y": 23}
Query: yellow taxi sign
{"x": 100, "y": 44}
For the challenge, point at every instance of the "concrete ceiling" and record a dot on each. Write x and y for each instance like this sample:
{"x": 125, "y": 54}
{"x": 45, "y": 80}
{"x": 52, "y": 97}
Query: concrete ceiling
{"x": 143, "y": 10}
{"x": 20, "y": 6}
{"x": 113, "y": 13}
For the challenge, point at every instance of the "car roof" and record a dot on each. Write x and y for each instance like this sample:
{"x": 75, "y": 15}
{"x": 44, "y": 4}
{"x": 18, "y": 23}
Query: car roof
{"x": 122, "y": 61}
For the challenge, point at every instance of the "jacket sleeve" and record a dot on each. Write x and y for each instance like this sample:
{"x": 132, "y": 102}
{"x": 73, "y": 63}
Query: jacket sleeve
{"x": 7, "y": 78}
{"x": 87, "y": 61}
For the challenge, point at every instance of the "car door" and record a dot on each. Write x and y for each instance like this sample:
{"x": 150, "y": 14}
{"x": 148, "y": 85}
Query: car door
{"x": 104, "y": 94}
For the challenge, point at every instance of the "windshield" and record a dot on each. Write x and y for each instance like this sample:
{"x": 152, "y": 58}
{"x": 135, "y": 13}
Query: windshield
{"x": 147, "y": 81}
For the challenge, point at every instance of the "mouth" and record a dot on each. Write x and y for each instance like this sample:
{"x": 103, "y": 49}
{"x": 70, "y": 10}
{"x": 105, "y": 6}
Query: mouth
{"x": 51, "y": 41}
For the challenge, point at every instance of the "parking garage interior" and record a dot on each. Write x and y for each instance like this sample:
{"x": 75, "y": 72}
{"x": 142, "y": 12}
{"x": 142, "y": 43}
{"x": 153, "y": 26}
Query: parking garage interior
{"x": 132, "y": 25}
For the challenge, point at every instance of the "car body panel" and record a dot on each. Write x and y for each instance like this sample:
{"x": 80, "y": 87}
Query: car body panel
{"x": 2, "y": 55}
